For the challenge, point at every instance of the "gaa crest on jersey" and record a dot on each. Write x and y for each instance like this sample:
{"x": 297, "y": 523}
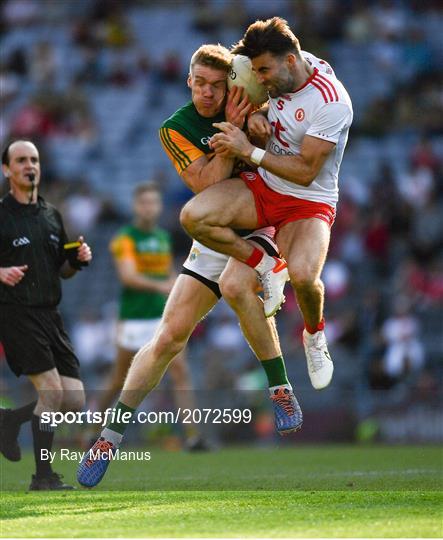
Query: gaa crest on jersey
{"x": 195, "y": 252}
{"x": 299, "y": 115}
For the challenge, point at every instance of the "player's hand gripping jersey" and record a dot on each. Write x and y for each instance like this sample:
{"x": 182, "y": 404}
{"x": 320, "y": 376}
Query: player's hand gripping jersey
{"x": 320, "y": 108}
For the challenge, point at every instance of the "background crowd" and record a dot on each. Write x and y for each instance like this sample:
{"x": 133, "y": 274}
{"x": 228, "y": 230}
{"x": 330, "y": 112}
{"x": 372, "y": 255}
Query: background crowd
{"x": 90, "y": 81}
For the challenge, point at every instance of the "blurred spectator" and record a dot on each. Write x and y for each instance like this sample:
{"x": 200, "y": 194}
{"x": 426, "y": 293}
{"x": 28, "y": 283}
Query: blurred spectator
{"x": 82, "y": 209}
{"x": 34, "y": 119}
{"x": 91, "y": 70}
{"x": 404, "y": 353}
{"x": 205, "y": 17}
{"x": 10, "y": 86}
{"x": 170, "y": 68}
{"x": 359, "y": 25}
{"x": 416, "y": 186}
{"x": 390, "y": 19}
{"x": 117, "y": 31}
{"x": 426, "y": 233}
{"x": 17, "y": 62}
{"x": 43, "y": 64}
{"x": 423, "y": 155}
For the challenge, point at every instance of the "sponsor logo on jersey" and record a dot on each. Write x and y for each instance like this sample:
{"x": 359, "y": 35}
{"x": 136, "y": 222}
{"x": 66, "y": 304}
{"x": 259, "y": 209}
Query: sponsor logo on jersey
{"x": 249, "y": 176}
{"x": 23, "y": 241}
{"x": 278, "y": 150}
{"x": 299, "y": 115}
{"x": 149, "y": 244}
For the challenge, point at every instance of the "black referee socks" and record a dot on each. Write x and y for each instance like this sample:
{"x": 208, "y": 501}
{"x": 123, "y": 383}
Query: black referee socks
{"x": 43, "y": 436}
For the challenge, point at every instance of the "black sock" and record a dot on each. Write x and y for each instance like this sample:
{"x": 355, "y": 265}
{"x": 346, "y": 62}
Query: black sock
{"x": 42, "y": 439}
{"x": 23, "y": 414}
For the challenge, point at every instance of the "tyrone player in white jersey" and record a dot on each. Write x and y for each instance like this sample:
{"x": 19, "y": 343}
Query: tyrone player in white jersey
{"x": 295, "y": 188}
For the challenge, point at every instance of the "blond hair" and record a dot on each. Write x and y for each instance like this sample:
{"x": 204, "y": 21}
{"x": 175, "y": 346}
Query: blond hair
{"x": 214, "y": 56}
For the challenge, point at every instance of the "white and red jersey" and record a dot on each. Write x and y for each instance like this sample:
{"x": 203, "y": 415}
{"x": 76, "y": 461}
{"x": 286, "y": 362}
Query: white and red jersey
{"x": 320, "y": 108}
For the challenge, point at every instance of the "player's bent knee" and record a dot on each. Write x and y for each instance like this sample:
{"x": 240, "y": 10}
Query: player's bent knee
{"x": 50, "y": 400}
{"x": 190, "y": 217}
{"x": 232, "y": 290}
{"x": 302, "y": 279}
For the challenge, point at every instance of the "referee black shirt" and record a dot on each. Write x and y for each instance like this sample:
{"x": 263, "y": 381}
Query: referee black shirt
{"x": 32, "y": 234}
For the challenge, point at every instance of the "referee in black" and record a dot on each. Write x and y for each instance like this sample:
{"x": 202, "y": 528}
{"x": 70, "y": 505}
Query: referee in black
{"x": 34, "y": 255}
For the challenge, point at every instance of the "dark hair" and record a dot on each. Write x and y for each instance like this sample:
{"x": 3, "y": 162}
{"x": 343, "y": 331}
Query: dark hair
{"x": 273, "y": 36}
{"x": 5, "y": 153}
{"x": 146, "y": 186}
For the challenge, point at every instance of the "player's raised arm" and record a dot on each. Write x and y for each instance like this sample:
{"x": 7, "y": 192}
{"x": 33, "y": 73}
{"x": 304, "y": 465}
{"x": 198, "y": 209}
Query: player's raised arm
{"x": 303, "y": 168}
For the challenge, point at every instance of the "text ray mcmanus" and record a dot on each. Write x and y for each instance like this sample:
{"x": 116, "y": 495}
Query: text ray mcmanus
{"x": 65, "y": 454}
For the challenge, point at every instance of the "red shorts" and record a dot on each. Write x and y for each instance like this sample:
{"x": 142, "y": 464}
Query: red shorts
{"x": 276, "y": 209}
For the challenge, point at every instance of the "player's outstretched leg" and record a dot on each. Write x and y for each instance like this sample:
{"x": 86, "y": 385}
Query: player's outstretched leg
{"x": 238, "y": 285}
{"x": 287, "y": 412}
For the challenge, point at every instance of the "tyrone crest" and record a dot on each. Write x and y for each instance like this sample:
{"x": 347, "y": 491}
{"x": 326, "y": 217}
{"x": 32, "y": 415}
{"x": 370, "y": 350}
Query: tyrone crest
{"x": 299, "y": 115}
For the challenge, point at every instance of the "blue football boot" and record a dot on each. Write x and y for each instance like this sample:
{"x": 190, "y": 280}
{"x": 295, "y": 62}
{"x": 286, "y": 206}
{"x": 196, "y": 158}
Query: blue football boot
{"x": 93, "y": 466}
{"x": 287, "y": 412}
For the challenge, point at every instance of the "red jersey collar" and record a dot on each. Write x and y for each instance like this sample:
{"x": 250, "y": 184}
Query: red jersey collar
{"x": 309, "y": 80}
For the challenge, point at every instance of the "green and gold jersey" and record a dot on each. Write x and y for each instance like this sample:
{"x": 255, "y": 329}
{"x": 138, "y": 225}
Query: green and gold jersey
{"x": 185, "y": 136}
{"x": 151, "y": 253}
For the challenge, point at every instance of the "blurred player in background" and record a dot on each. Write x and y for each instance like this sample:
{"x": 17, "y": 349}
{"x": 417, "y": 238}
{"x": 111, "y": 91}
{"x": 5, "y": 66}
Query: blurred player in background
{"x": 34, "y": 255}
{"x": 206, "y": 275}
{"x": 143, "y": 259}
{"x": 306, "y": 122}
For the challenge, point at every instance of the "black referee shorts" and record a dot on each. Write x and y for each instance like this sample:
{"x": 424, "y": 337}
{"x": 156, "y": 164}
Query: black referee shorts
{"x": 35, "y": 341}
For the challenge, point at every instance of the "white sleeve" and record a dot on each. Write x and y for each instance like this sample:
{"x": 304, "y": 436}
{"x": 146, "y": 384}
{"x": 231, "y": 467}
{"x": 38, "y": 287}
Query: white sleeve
{"x": 330, "y": 121}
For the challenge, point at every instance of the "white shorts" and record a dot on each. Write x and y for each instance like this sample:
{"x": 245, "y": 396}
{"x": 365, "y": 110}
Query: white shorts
{"x": 133, "y": 334}
{"x": 207, "y": 265}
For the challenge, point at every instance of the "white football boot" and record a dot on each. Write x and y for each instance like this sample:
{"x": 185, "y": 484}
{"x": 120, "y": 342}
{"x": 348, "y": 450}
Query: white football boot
{"x": 320, "y": 366}
{"x": 273, "y": 282}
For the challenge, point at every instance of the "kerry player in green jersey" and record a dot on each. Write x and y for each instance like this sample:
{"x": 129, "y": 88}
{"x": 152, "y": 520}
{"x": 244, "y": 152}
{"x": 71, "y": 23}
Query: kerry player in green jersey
{"x": 206, "y": 274}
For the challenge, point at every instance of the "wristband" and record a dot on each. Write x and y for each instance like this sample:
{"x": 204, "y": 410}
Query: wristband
{"x": 257, "y": 155}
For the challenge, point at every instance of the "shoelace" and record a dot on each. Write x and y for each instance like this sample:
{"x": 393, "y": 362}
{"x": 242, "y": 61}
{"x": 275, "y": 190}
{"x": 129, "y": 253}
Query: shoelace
{"x": 266, "y": 282}
{"x": 316, "y": 356}
{"x": 283, "y": 399}
{"x": 102, "y": 446}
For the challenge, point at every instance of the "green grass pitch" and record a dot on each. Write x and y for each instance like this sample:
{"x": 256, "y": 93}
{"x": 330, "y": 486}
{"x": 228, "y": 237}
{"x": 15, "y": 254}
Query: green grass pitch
{"x": 328, "y": 491}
